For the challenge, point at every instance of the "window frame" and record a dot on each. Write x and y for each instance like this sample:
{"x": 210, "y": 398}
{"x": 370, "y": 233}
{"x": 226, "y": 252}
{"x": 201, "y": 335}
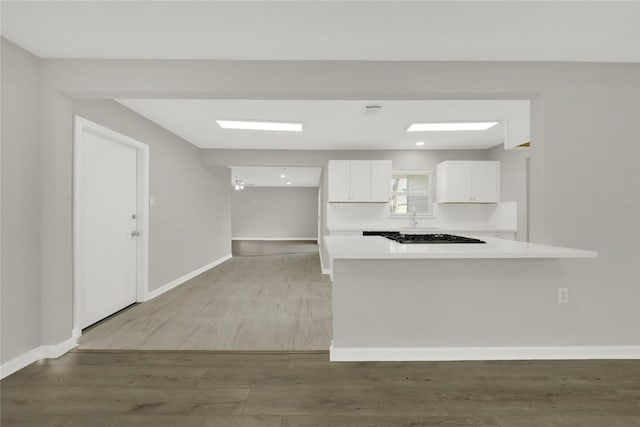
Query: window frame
{"x": 428, "y": 193}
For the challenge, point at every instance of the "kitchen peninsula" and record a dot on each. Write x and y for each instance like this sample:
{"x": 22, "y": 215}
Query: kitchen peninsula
{"x": 495, "y": 300}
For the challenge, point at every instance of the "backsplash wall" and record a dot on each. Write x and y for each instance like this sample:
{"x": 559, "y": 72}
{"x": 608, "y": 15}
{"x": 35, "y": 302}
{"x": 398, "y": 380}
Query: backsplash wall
{"x": 362, "y": 216}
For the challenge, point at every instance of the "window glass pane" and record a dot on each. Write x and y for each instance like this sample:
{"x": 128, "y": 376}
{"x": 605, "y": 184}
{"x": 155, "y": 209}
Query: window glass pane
{"x": 406, "y": 183}
{"x": 404, "y": 204}
{"x": 399, "y": 184}
{"x": 411, "y": 190}
{"x": 399, "y": 204}
{"x": 422, "y": 204}
{"x": 418, "y": 182}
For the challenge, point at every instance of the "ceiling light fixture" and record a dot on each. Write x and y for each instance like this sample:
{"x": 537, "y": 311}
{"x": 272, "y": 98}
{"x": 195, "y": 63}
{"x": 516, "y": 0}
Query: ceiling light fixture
{"x": 419, "y": 143}
{"x": 288, "y": 182}
{"x": 283, "y": 175}
{"x": 250, "y": 125}
{"x": 439, "y": 127}
{"x": 239, "y": 185}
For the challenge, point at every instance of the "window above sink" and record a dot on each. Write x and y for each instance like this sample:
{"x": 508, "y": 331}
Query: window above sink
{"x": 412, "y": 190}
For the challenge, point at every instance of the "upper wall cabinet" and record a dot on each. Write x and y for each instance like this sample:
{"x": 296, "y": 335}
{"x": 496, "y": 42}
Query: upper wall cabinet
{"x": 359, "y": 181}
{"x": 468, "y": 182}
{"x": 517, "y": 132}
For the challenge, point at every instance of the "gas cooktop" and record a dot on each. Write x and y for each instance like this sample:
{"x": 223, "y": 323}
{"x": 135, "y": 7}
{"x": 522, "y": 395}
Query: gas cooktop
{"x": 424, "y": 238}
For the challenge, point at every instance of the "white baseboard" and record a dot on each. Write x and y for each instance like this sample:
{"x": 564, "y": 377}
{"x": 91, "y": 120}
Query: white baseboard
{"x": 180, "y": 280}
{"x": 41, "y": 352}
{"x": 409, "y": 354}
{"x": 57, "y": 350}
{"x": 275, "y": 238}
{"x": 20, "y": 362}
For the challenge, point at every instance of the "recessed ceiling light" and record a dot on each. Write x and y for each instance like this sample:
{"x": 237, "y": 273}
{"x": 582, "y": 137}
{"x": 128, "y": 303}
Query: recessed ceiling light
{"x": 288, "y": 182}
{"x": 420, "y": 143}
{"x": 283, "y": 175}
{"x": 437, "y": 127}
{"x": 249, "y": 125}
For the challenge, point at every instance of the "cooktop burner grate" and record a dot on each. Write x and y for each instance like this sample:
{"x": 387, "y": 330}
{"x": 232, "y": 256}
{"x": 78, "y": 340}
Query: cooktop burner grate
{"x": 430, "y": 238}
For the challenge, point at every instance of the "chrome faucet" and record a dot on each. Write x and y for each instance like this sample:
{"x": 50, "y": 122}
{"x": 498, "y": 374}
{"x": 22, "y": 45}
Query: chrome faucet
{"x": 414, "y": 221}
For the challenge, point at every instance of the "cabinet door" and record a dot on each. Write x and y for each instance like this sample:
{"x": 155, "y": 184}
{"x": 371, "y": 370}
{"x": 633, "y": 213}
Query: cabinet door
{"x": 454, "y": 182}
{"x": 360, "y": 174}
{"x": 485, "y": 182}
{"x": 339, "y": 180}
{"x": 380, "y": 181}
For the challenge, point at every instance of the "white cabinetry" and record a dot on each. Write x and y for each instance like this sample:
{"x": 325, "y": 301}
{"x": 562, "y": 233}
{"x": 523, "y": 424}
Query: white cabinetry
{"x": 359, "y": 181}
{"x": 339, "y": 180}
{"x": 463, "y": 181}
{"x": 380, "y": 181}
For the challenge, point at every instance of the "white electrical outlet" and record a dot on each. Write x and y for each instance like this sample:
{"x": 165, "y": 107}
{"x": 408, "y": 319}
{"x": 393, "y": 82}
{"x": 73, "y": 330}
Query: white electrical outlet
{"x": 563, "y": 295}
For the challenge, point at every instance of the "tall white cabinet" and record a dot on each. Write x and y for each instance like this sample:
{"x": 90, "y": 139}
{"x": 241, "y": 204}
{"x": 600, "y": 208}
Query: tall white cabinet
{"x": 359, "y": 181}
{"x": 465, "y": 181}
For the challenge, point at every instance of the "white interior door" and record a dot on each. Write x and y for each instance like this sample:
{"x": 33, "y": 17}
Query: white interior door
{"x": 106, "y": 209}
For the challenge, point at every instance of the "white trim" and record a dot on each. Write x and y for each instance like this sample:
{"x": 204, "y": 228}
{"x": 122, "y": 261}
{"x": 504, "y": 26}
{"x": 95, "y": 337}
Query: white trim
{"x": 142, "y": 226}
{"x": 325, "y": 270}
{"x": 275, "y": 238}
{"x": 363, "y": 354}
{"x": 20, "y": 362}
{"x": 56, "y": 350}
{"x": 180, "y": 280}
{"x": 41, "y": 352}
{"x": 322, "y": 267}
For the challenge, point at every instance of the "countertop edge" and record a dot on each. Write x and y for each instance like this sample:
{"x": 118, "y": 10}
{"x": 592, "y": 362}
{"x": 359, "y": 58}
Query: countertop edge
{"x": 426, "y": 230}
{"x": 464, "y": 256}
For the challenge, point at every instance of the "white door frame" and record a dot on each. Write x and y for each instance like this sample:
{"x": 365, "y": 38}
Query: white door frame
{"x": 142, "y": 280}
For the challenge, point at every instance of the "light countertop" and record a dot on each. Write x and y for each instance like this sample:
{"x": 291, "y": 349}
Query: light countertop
{"x": 425, "y": 229}
{"x": 377, "y": 247}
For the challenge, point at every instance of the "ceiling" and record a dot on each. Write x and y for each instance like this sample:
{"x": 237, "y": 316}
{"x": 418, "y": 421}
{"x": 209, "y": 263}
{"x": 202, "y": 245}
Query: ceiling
{"x": 597, "y": 31}
{"x": 269, "y": 176}
{"x": 330, "y": 124}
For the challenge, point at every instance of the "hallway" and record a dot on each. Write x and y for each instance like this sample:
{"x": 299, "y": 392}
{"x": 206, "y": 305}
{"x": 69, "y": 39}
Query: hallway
{"x": 273, "y": 302}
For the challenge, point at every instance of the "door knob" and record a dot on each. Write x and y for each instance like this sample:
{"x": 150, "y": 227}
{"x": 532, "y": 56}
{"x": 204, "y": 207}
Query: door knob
{"x": 135, "y": 233}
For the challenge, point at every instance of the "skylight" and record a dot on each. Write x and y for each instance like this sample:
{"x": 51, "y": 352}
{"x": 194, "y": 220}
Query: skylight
{"x": 251, "y": 125}
{"x": 440, "y": 127}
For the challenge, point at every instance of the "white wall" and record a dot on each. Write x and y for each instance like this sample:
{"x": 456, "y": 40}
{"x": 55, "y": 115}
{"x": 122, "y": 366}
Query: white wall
{"x": 21, "y": 202}
{"x": 513, "y": 181}
{"x": 584, "y": 130}
{"x": 401, "y": 159}
{"x": 275, "y": 212}
{"x": 189, "y": 223}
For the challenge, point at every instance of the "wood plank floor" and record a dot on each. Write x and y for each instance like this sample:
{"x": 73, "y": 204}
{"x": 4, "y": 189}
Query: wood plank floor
{"x": 198, "y": 389}
{"x": 273, "y": 302}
